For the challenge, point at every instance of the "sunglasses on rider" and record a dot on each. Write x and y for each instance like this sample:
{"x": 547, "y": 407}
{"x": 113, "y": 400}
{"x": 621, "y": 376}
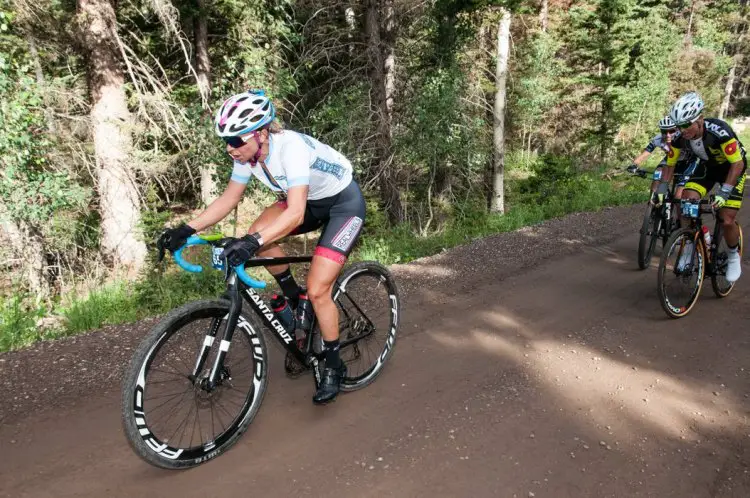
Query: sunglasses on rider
{"x": 685, "y": 126}
{"x": 237, "y": 142}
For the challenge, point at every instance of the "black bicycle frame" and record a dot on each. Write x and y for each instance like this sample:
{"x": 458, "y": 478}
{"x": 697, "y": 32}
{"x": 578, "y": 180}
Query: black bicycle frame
{"x": 261, "y": 309}
{"x": 237, "y": 291}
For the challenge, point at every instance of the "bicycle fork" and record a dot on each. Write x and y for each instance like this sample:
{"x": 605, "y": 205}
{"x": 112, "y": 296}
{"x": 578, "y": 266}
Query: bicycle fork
{"x": 210, "y": 382}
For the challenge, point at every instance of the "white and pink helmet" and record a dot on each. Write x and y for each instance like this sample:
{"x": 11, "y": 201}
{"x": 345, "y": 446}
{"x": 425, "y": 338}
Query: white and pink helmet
{"x": 243, "y": 113}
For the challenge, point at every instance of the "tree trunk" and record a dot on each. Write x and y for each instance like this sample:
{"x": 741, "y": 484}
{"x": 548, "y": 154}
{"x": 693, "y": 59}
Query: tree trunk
{"x": 543, "y": 15}
{"x": 389, "y": 62}
{"x": 689, "y": 33}
{"x": 380, "y": 75}
{"x": 111, "y": 124}
{"x": 208, "y": 183}
{"x": 739, "y": 32}
{"x": 727, "y": 92}
{"x": 28, "y": 247}
{"x": 202, "y": 61}
{"x": 501, "y": 73}
{"x": 351, "y": 28}
{"x": 203, "y": 73}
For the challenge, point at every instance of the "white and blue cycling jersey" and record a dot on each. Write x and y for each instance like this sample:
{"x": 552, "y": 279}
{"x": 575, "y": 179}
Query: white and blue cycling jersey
{"x": 660, "y": 142}
{"x": 296, "y": 159}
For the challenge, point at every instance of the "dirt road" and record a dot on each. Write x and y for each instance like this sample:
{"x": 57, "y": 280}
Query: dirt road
{"x": 537, "y": 363}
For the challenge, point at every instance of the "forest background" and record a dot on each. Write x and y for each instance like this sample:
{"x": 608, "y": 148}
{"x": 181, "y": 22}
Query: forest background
{"x": 462, "y": 119}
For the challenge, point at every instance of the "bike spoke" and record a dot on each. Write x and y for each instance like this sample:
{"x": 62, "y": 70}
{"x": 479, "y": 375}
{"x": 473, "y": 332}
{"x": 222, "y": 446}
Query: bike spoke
{"x": 163, "y": 395}
{"x": 171, "y": 438}
{"x": 157, "y": 420}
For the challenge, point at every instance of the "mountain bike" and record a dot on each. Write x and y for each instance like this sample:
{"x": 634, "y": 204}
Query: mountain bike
{"x": 658, "y": 223}
{"x": 689, "y": 255}
{"x": 197, "y": 380}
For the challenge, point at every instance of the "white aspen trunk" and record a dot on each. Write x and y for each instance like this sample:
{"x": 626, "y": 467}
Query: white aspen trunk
{"x": 501, "y": 73}
{"x": 543, "y": 15}
{"x": 352, "y": 28}
{"x": 111, "y": 124}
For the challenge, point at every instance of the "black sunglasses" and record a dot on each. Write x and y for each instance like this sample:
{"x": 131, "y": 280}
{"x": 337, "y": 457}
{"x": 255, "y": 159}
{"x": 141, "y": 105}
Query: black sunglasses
{"x": 237, "y": 142}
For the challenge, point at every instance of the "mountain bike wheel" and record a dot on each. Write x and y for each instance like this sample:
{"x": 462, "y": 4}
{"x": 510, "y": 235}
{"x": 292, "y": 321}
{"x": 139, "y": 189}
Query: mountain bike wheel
{"x": 681, "y": 271}
{"x": 719, "y": 283}
{"x": 649, "y": 236}
{"x": 368, "y": 303}
{"x": 170, "y": 418}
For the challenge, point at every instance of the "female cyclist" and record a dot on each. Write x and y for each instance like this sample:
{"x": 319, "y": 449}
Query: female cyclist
{"x": 315, "y": 189}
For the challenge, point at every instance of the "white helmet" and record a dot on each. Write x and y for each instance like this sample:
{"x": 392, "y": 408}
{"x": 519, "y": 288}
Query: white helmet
{"x": 687, "y": 108}
{"x": 666, "y": 123}
{"x": 243, "y": 113}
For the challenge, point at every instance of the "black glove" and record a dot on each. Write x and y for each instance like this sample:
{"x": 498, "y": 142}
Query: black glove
{"x": 632, "y": 168}
{"x": 173, "y": 238}
{"x": 239, "y": 251}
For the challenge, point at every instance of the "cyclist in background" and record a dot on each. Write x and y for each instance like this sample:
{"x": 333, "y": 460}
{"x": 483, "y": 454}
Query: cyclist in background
{"x": 663, "y": 141}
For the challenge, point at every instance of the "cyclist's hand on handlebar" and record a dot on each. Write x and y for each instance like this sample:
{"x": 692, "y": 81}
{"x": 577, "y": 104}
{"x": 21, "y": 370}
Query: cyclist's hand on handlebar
{"x": 632, "y": 168}
{"x": 172, "y": 239}
{"x": 722, "y": 196}
{"x": 239, "y": 251}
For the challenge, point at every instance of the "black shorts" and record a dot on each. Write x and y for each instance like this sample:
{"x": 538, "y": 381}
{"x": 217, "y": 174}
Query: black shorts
{"x": 705, "y": 177}
{"x": 342, "y": 217}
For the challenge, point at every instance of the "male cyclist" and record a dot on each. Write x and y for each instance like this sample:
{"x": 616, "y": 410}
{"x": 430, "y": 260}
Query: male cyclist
{"x": 721, "y": 159}
{"x": 315, "y": 185}
{"x": 663, "y": 141}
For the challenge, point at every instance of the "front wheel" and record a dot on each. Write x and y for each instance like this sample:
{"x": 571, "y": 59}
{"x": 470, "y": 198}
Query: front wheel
{"x": 649, "y": 235}
{"x": 172, "y": 417}
{"x": 719, "y": 283}
{"x": 366, "y": 296}
{"x": 681, "y": 271}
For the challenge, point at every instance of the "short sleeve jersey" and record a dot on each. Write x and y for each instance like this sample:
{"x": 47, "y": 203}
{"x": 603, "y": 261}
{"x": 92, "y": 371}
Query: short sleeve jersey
{"x": 718, "y": 146}
{"x": 657, "y": 142}
{"x": 296, "y": 159}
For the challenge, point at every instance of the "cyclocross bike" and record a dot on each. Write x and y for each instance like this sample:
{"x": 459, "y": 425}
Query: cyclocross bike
{"x": 689, "y": 255}
{"x": 198, "y": 378}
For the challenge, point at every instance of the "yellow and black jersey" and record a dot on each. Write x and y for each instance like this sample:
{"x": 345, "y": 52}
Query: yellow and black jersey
{"x": 719, "y": 145}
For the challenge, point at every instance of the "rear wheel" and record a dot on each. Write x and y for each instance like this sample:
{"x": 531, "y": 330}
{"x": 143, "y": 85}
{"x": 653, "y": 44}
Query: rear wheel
{"x": 649, "y": 235}
{"x": 367, "y": 299}
{"x": 681, "y": 271}
{"x": 719, "y": 283}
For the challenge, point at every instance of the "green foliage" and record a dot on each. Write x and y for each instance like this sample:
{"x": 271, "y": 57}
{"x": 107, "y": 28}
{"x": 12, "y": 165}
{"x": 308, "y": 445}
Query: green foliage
{"x": 555, "y": 189}
{"x": 346, "y": 105}
{"x": 591, "y": 88}
{"x": 155, "y": 293}
{"x": 30, "y": 189}
{"x": 105, "y": 306}
{"x": 154, "y": 216}
{"x": 533, "y": 96}
{"x": 18, "y": 321}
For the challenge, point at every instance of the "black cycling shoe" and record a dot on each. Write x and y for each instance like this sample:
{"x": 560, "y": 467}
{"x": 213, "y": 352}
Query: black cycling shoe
{"x": 330, "y": 385}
